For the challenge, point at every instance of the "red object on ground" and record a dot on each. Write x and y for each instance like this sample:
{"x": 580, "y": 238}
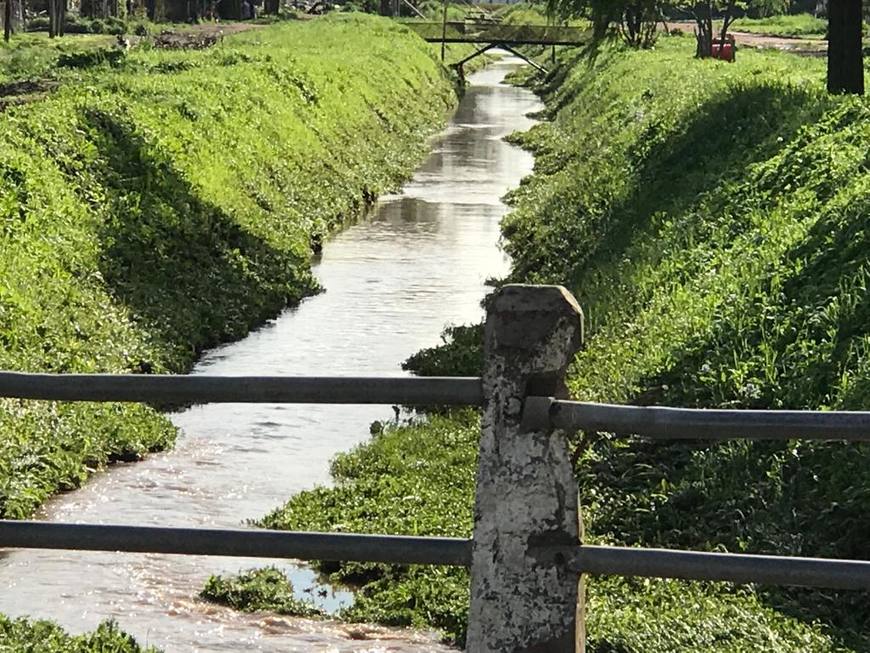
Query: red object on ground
{"x": 724, "y": 51}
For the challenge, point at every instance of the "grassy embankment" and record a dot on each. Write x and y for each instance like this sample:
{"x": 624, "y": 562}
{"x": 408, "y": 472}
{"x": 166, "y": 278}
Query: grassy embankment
{"x": 165, "y": 204}
{"x": 711, "y": 219}
{"x": 157, "y": 203}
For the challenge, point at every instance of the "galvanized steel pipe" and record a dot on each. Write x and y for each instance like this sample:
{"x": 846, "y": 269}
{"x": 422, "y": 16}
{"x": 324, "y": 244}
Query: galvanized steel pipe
{"x": 692, "y": 423}
{"x": 247, "y": 543}
{"x": 732, "y": 567}
{"x": 168, "y": 388}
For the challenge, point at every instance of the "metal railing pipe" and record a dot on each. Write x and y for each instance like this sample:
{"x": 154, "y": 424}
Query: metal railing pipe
{"x": 247, "y": 543}
{"x": 486, "y": 32}
{"x": 167, "y": 388}
{"x": 692, "y": 423}
{"x": 732, "y": 567}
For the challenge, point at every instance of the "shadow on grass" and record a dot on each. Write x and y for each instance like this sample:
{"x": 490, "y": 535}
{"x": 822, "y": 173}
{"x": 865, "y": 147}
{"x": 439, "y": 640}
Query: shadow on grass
{"x": 723, "y": 137}
{"x": 803, "y": 499}
{"x": 668, "y": 169}
{"x": 189, "y": 272}
{"x": 747, "y": 496}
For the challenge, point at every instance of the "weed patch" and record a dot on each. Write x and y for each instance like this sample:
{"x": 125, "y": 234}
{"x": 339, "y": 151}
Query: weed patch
{"x": 414, "y": 479}
{"x": 256, "y": 590}
{"x": 46, "y": 637}
{"x": 703, "y": 224}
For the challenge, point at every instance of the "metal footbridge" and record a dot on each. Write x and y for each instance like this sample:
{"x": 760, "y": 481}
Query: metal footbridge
{"x": 493, "y": 34}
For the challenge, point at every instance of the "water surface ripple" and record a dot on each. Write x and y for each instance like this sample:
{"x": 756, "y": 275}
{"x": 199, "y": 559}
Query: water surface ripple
{"x": 392, "y": 283}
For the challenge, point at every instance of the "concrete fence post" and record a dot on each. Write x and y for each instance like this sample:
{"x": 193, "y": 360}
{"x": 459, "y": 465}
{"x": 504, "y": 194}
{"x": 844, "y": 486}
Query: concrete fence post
{"x": 526, "y": 490}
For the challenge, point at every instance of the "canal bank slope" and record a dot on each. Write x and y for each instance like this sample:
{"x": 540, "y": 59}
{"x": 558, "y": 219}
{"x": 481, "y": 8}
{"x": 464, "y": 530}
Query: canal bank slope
{"x": 711, "y": 218}
{"x": 160, "y": 202}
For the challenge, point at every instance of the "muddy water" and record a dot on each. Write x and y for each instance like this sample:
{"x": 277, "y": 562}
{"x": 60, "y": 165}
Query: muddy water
{"x": 393, "y": 282}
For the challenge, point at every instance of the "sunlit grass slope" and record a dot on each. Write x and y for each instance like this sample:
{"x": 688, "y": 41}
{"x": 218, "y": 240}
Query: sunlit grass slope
{"x": 162, "y": 202}
{"x": 711, "y": 218}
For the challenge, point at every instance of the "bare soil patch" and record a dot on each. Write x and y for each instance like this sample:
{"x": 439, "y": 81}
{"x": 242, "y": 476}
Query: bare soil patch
{"x": 796, "y": 45}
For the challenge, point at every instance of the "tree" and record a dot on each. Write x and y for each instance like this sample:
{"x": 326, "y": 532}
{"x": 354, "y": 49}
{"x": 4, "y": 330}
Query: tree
{"x": 638, "y": 21}
{"x": 98, "y": 8}
{"x": 13, "y": 17}
{"x": 56, "y": 17}
{"x": 634, "y": 20}
{"x": 845, "y": 56}
{"x": 703, "y": 12}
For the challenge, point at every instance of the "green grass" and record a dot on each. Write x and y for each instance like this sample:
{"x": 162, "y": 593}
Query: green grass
{"x": 711, "y": 219}
{"x": 409, "y": 480}
{"x": 159, "y": 204}
{"x": 665, "y": 616}
{"x": 434, "y": 11}
{"x": 30, "y": 56}
{"x": 531, "y": 14}
{"x": 257, "y": 590}
{"x": 796, "y": 25}
{"x": 522, "y": 14}
{"x": 722, "y": 263}
{"x": 46, "y": 637}
{"x": 458, "y": 354}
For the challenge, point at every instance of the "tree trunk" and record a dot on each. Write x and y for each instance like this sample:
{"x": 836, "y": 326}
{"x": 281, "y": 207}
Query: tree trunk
{"x": 703, "y": 12}
{"x": 56, "y": 17}
{"x": 13, "y": 17}
{"x": 631, "y": 21}
{"x": 99, "y": 8}
{"x": 7, "y": 20}
{"x": 52, "y": 18}
{"x": 845, "y": 58}
{"x": 704, "y": 39}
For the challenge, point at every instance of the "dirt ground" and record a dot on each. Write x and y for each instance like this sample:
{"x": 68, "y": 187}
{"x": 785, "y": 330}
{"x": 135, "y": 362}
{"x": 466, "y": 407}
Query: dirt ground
{"x": 801, "y": 46}
{"x": 805, "y": 47}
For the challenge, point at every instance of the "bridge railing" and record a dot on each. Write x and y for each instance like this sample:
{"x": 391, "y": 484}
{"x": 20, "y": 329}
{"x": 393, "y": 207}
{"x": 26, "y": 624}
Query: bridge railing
{"x": 526, "y": 557}
{"x": 479, "y": 32}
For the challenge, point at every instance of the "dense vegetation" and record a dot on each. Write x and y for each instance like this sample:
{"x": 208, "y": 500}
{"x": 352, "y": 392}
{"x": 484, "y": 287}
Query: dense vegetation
{"x": 46, "y": 637}
{"x": 409, "y": 480}
{"x": 32, "y": 56}
{"x": 162, "y": 202}
{"x": 711, "y": 220}
{"x": 258, "y": 589}
{"x": 722, "y": 265}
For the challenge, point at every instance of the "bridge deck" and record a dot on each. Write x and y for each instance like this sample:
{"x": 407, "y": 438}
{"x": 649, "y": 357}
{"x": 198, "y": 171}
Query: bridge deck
{"x": 468, "y": 32}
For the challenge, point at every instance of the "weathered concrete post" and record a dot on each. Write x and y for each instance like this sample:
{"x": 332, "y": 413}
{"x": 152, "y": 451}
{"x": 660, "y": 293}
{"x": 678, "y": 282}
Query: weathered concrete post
{"x": 526, "y": 491}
